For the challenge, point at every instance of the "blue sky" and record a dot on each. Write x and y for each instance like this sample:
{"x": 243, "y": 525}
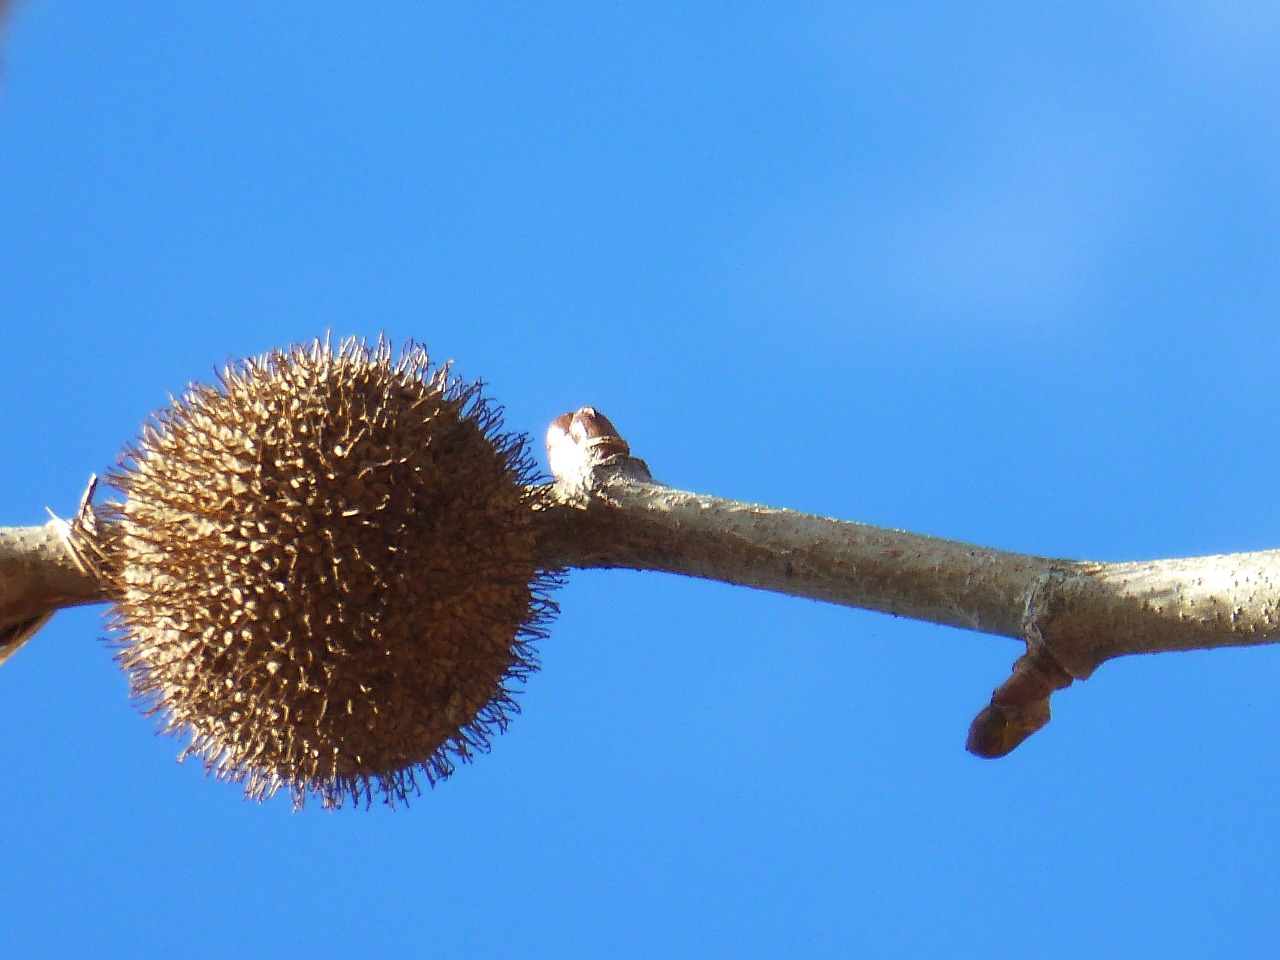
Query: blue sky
{"x": 1007, "y": 273}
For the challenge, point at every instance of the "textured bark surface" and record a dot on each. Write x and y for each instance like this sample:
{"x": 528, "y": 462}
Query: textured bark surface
{"x": 1072, "y": 615}
{"x": 645, "y": 526}
{"x": 1083, "y": 612}
{"x": 610, "y": 513}
{"x": 38, "y": 575}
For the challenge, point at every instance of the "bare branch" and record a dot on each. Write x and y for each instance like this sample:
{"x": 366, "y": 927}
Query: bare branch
{"x": 39, "y": 574}
{"x": 1072, "y": 615}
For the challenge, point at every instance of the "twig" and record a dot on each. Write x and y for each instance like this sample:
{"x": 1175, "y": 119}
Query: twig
{"x": 606, "y": 511}
{"x": 39, "y": 574}
{"x": 1072, "y": 615}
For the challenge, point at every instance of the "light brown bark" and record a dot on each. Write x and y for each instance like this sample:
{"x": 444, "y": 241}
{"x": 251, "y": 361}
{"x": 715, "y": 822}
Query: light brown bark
{"x": 38, "y": 575}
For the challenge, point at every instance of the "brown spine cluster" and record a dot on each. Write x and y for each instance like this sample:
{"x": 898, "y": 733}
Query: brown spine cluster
{"x": 324, "y": 572}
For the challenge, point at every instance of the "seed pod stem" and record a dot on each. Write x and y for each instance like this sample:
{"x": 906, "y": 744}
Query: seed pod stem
{"x": 39, "y": 574}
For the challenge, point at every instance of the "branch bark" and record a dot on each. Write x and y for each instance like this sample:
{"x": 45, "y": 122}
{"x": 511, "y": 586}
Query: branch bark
{"x": 606, "y": 511}
{"x": 39, "y": 574}
{"x": 1072, "y": 615}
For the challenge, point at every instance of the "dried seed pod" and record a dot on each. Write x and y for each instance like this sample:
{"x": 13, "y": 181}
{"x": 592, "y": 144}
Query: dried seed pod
{"x": 324, "y": 571}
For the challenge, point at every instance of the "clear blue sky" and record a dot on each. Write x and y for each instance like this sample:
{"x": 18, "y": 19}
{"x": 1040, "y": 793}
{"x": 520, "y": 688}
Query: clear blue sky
{"x": 1007, "y": 273}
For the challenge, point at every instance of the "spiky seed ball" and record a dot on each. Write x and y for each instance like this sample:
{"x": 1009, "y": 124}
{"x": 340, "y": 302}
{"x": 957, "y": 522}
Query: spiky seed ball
{"x": 324, "y": 571}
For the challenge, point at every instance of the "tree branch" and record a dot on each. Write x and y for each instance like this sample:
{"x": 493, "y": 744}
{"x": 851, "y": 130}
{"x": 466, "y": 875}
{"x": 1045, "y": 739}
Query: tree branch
{"x": 606, "y": 511}
{"x": 1073, "y": 615}
{"x": 39, "y": 574}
